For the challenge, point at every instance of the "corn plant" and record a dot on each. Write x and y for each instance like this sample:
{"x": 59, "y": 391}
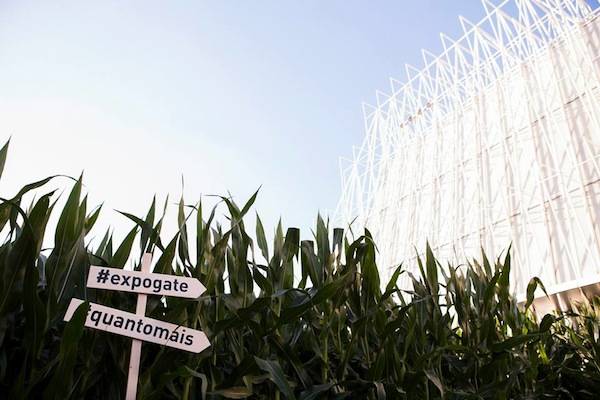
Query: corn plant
{"x": 289, "y": 319}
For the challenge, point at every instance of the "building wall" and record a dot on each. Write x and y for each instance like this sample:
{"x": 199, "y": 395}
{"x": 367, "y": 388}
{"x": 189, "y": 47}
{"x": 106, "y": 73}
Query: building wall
{"x": 499, "y": 147}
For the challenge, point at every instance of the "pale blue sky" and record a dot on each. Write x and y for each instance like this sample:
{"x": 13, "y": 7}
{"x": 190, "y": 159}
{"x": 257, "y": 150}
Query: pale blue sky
{"x": 230, "y": 94}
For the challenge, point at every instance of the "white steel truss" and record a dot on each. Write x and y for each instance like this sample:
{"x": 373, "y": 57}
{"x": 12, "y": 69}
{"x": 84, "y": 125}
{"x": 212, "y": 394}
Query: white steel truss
{"x": 495, "y": 141}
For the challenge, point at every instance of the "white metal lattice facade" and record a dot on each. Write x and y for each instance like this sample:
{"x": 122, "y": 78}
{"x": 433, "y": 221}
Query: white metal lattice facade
{"x": 495, "y": 141}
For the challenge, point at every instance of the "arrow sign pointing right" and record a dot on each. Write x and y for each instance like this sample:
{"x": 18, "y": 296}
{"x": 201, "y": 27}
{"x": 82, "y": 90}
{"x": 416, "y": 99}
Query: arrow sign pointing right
{"x": 144, "y": 282}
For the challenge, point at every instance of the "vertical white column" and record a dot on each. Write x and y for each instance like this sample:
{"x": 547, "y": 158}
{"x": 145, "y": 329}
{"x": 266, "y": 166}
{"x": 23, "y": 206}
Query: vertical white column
{"x": 136, "y": 345}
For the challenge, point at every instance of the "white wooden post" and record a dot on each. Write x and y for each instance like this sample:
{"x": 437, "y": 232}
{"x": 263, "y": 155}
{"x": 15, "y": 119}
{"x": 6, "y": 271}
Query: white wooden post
{"x": 136, "y": 345}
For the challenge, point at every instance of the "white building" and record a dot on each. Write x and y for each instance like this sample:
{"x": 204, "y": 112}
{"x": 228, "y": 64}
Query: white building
{"x": 495, "y": 141}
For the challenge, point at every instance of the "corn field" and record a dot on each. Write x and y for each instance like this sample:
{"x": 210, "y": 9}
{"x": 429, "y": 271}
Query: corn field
{"x": 289, "y": 319}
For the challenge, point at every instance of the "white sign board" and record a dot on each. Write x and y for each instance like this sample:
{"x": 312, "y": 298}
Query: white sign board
{"x": 139, "y": 327}
{"x": 144, "y": 282}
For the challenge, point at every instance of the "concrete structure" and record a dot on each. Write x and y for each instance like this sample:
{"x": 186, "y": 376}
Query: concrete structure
{"x": 495, "y": 141}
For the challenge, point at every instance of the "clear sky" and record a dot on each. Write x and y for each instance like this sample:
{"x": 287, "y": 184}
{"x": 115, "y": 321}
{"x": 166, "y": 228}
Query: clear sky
{"x": 230, "y": 95}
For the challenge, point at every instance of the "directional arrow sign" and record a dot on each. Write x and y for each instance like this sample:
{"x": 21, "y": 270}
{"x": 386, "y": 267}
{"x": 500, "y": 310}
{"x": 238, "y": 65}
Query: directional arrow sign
{"x": 144, "y": 282}
{"x": 140, "y": 327}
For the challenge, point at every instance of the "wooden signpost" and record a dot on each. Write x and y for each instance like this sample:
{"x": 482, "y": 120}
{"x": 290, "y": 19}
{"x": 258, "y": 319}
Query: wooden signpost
{"x": 136, "y": 325}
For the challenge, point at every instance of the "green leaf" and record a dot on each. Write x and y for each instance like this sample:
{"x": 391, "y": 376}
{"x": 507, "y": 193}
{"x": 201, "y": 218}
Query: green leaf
{"x": 3, "y": 153}
{"x": 432, "y": 273}
{"x": 311, "y": 267}
{"x": 436, "y": 380}
{"x": 504, "y": 280}
{"x": 320, "y": 295}
{"x": 261, "y": 239}
{"x": 202, "y": 377}
{"x": 183, "y": 246}
{"x": 147, "y": 227}
{"x": 60, "y": 383}
{"x": 249, "y": 203}
{"x": 515, "y": 341}
{"x": 390, "y": 288}
{"x": 547, "y": 322}
{"x": 35, "y": 312}
{"x": 164, "y": 265}
{"x": 152, "y": 232}
{"x": 69, "y": 223}
{"x": 262, "y": 282}
{"x": 276, "y": 375}
{"x": 199, "y": 238}
{"x": 369, "y": 271}
{"x": 235, "y": 392}
{"x": 531, "y": 288}
{"x": 91, "y": 219}
{"x": 316, "y": 392}
{"x": 291, "y": 244}
{"x": 124, "y": 250}
{"x": 380, "y": 390}
{"x": 5, "y": 206}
